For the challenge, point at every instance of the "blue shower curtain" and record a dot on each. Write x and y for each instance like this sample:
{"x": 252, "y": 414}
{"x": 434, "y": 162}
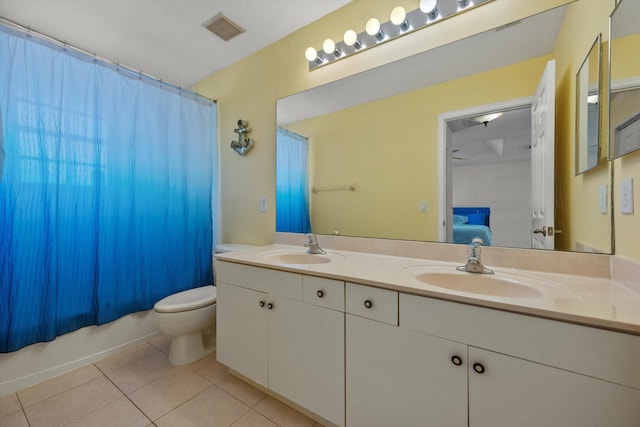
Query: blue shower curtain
{"x": 105, "y": 194}
{"x": 292, "y": 182}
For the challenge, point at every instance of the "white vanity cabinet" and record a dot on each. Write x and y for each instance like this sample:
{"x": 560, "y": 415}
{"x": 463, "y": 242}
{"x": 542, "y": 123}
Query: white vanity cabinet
{"x": 284, "y": 331}
{"x": 366, "y": 356}
{"x": 397, "y": 377}
{"x": 526, "y": 371}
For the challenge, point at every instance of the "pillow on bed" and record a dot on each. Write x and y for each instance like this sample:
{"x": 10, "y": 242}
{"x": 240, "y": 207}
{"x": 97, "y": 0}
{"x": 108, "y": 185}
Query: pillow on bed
{"x": 460, "y": 219}
{"x": 477, "y": 218}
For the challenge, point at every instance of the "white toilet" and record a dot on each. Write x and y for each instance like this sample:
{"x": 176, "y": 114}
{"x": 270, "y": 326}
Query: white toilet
{"x": 189, "y": 317}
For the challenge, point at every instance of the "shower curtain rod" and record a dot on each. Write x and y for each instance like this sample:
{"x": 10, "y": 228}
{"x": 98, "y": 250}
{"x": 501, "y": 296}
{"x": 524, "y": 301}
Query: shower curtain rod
{"x": 27, "y": 31}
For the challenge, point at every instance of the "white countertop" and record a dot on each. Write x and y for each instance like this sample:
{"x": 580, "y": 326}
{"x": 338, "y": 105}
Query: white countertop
{"x": 592, "y": 301}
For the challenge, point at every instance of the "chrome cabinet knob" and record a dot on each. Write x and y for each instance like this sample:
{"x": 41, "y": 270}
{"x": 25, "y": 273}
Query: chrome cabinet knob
{"x": 262, "y": 303}
{"x": 456, "y": 360}
{"x": 368, "y": 304}
{"x": 320, "y": 293}
{"x": 270, "y": 306}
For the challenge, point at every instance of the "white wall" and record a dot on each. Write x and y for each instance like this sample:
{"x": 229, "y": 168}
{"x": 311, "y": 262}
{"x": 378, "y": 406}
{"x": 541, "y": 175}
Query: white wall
{"x": 505, "y": 187}
{"x": 38, "y": 362}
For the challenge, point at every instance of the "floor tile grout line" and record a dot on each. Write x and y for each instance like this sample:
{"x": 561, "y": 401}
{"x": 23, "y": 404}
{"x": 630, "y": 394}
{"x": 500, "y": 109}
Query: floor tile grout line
{"x": 125, "y": 395}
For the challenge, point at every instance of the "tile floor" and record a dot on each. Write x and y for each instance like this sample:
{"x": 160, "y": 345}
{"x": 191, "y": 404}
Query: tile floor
{"x": 139, "y": 387}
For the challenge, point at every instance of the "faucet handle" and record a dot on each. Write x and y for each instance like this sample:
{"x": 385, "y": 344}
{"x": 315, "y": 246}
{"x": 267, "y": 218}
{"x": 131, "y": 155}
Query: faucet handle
{"x": 477, "y": 241}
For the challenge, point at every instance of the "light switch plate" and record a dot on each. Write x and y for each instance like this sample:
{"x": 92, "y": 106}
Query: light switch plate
{"x": 603, "y": 199}
{"x": 626, "y": 196}
{"x": 423, "y": 206}
{"x": 264, "y": 204}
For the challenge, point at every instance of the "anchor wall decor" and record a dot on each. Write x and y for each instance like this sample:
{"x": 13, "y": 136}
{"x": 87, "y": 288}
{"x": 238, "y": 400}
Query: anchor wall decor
{"x": 243, "y": 145}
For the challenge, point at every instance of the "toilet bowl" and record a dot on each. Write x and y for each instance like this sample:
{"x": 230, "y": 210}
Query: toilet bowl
{"x": 189, "y": 318}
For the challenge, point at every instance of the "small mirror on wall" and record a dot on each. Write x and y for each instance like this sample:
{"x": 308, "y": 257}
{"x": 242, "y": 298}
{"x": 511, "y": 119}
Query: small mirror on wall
{"x": 588, "y": 110}
{"x": 624, "y": 79}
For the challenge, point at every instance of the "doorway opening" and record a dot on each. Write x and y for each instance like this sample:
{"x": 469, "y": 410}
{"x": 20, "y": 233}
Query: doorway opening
{"x": 485, "y": 185}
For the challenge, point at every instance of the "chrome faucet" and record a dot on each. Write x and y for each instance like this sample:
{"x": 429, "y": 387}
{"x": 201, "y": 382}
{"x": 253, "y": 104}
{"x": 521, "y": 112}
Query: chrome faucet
{"x": 473, "y": 264}
{"x": 312, "y": 245}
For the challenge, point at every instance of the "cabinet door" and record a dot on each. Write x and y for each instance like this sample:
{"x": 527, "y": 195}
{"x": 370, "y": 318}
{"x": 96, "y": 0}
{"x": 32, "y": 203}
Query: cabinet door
{"x": 306, "y": 356}
{"x": 516, "y": 392}
{"x": 241, "y": 328}
{"x": 396, "y": 377}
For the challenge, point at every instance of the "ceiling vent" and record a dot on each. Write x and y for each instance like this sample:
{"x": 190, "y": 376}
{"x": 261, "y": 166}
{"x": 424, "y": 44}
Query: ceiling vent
{"x": 222, "y": 26}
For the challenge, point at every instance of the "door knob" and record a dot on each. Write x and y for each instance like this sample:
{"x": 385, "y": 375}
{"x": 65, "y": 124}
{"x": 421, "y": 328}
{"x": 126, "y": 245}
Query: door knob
{"x": 542, "y": 231}
{"x": 547, "y": 231}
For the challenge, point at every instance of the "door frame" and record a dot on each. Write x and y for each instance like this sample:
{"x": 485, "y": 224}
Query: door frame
{"x": 444, "y": 162}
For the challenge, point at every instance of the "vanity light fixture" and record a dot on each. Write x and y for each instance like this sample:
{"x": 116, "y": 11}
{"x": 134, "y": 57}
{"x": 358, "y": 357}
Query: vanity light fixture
{"x": 400, "y": 23}
{"x": 351, "y": 39}
{"x": 430, "y": 7}
{"x": 329, "y": 47}
{"x": 463, "y": 4}
{"x": 312, "y": 55}
{"x": 399, "y": 17}
{"x": 373, "y": 29}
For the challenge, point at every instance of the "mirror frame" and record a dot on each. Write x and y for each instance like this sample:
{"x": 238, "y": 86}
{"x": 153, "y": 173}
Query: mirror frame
{"x": 583, "y": 121}
{"x": 621, "y": 86}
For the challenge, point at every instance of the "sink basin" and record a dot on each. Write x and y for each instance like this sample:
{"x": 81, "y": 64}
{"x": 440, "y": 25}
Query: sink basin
{"x": 292, "y": 258}
{"x": 484, "y": 284}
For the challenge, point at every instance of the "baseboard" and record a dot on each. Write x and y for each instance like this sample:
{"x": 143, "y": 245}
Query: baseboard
{"x": 42, "y": 361}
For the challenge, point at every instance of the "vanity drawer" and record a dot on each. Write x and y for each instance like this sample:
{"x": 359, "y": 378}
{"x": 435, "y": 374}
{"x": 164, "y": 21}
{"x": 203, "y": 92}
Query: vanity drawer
{"x": 372, "y": 303}
{"x": 323, "y": 292}
{"x": 608, "y": 355}
{"x": 273, "y": 282}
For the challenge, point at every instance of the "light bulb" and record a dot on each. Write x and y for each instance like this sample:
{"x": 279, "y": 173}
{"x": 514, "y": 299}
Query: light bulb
{"x": 328, "y": 46}
{"x": 427, "y": 6}
{"x": 372, "y": 27}
{"x": 351, "y": 39}
{"x": 311, "y": 54}
{"x": 398, "y": 15}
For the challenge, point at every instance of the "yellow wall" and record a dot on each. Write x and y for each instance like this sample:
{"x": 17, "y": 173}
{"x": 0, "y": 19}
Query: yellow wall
{"x": 389, "y": 149}
{"x": 577, "y": 198}
{"x": 249, "y": 89}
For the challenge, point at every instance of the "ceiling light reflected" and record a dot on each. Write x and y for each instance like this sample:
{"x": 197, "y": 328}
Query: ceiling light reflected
{"x": 486, "y": 118}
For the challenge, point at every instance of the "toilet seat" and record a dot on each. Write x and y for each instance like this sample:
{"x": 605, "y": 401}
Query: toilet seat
{"x": 191, "y": 299}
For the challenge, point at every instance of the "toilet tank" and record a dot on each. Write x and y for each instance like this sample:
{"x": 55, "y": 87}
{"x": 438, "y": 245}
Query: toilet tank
{"x": 229, "y": 247}
{"x": 232, "y": 247}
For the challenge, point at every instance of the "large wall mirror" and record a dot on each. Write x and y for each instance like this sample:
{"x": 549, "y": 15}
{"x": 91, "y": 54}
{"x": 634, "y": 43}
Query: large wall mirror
{"x": 588, "y": 110}
{"x": 624, "y": 75}
{"x": 376, "y": 154}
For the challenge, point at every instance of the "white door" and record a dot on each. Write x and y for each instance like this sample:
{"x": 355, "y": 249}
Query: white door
{"x": 542, "y": 160}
